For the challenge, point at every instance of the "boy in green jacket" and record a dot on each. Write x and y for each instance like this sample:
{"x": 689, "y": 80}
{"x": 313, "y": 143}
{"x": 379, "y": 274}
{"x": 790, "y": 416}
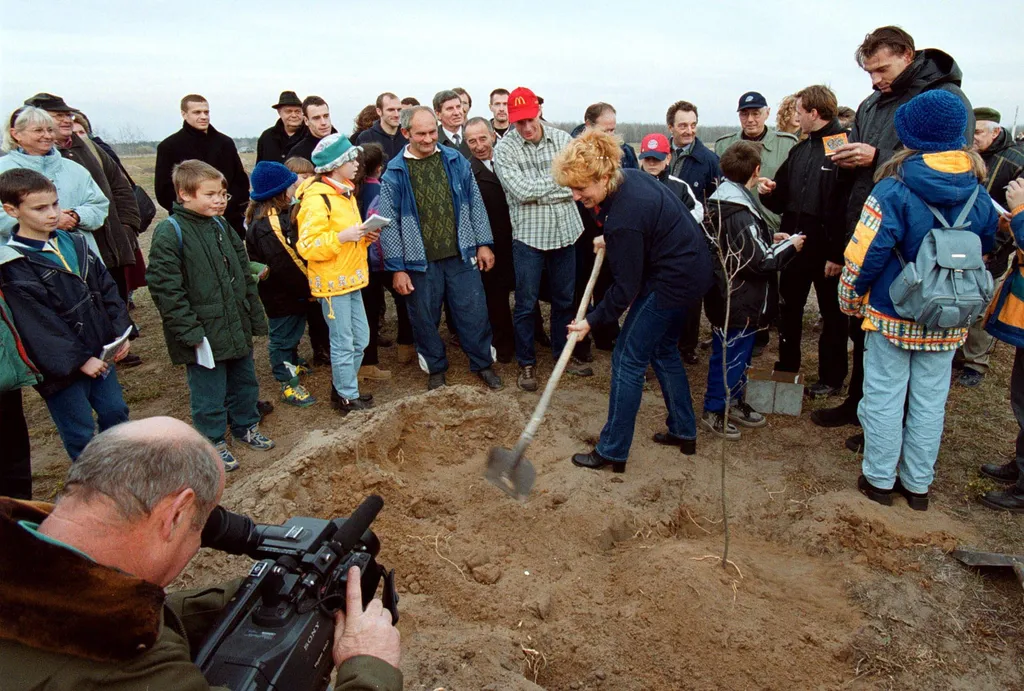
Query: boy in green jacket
{"x": 199, "y": 279}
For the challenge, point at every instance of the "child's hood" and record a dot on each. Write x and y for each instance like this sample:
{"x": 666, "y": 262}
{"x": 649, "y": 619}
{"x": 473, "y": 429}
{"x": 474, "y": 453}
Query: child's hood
{"x": 313, "y": 186}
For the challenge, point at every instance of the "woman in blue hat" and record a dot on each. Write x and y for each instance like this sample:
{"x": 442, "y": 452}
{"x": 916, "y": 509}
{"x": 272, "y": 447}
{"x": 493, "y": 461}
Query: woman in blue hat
{"x": 904, "y": 360}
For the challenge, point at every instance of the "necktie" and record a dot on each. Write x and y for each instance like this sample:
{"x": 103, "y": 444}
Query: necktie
{"x": 457, "y": 139}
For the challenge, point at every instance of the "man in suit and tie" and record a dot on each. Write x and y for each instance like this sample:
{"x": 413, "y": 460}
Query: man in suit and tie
{"x": 448, "y": 107}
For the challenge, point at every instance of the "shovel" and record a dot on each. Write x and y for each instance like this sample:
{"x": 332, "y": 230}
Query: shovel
{"x": 972, "y": 558}
{"x": 508, "y": 469}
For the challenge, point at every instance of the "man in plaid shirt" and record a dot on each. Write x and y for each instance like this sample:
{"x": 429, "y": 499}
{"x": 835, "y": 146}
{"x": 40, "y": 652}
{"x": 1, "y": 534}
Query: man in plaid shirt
{"x": 545, "y": 224}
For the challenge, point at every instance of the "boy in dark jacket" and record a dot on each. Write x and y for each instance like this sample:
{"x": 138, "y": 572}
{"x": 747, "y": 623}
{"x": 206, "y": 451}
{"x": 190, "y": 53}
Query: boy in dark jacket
{"x": 270, "y": 239}
{"x": 199, "y": 279}
{"x": 745, "y": 286}
{"x": 65, "y": 306}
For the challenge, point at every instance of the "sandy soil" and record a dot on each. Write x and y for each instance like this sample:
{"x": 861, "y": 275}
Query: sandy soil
{"x": 603, "y": 581}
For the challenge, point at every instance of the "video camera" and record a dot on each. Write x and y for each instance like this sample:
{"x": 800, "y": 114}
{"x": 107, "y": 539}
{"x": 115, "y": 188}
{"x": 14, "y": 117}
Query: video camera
{"x": 278, "y": 629}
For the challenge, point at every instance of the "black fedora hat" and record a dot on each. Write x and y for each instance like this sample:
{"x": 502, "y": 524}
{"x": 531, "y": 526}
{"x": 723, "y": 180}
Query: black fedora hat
{"x": 287, "y": 98}
{"x": 49, "y": 102}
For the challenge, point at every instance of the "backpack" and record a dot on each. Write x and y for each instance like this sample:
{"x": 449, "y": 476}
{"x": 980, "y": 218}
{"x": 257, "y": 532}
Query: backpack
{"x": 947, "y": 286}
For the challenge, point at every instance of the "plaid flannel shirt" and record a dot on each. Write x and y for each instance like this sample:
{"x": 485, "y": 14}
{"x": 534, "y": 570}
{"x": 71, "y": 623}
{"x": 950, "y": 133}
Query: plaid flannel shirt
{"x": 544, "y": 215}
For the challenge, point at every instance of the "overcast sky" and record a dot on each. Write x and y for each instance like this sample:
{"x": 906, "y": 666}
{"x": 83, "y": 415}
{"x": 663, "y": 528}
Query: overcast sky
{"x": 127, "y": 62}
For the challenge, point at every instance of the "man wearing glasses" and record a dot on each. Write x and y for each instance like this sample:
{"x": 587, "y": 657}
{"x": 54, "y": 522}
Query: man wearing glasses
{"x": 197, "y": 139}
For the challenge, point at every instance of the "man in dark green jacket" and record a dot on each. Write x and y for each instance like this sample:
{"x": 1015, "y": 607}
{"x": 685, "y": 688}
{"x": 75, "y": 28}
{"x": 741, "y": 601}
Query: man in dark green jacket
{"x": 16, "y": 372}
{"x": 82, "y": 582}
{"x": 199, "y": 279}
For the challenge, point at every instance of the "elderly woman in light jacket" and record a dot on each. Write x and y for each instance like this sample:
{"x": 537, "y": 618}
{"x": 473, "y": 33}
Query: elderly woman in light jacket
{"x": 28, "y": 142}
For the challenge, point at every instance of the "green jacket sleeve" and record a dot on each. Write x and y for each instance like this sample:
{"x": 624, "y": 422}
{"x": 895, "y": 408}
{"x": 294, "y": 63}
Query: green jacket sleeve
{"x": 367, "y": 673}
{"x": 252, "y": 295}
{"x": 167, "y": 287}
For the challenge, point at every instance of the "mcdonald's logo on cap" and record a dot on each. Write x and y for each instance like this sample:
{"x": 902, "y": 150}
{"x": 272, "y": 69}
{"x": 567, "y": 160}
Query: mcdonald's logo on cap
{"x": 523, "y": 105}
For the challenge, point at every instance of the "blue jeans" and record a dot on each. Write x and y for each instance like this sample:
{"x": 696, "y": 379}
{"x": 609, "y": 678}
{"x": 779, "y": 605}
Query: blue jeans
{"x": 285, "y": 334}
{"x": 459, "y": 283}
{"x": 741, "y": 351}
{"x": 350, "y": 334}
{"x": 71, "y": 409}
{"x": 529, "y": 265}
{"x": 648, "y": 337}
{"x": 889, "y": 373}
{"x": 226, "y": 394}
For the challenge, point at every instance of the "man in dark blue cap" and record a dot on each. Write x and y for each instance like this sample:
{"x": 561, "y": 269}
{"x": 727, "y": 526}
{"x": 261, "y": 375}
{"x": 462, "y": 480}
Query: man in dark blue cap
{"x": 753, "y": 112}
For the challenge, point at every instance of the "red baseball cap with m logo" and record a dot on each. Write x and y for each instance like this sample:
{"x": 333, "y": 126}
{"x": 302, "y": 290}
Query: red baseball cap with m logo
{"x": 522, "y": 104}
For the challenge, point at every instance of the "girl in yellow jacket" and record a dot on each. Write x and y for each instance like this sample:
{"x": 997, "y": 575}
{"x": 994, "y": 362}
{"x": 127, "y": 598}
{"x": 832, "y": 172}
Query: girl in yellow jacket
{"x": 334, "y": 243}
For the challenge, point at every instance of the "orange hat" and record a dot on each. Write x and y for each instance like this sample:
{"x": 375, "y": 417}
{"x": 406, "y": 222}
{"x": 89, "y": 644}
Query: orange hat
{"x": 522, "y": 104}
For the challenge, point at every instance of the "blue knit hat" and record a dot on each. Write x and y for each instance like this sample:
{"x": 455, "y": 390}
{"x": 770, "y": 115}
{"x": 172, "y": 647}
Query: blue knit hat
{"x": 332, "y": 152}
{"x": 932, "y": 121}
{"x": 269, "y": 179}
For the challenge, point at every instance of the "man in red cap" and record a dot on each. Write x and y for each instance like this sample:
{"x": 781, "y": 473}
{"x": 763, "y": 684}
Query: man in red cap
{"x": 655, "y": 158}
{"x": 545, "y": 224}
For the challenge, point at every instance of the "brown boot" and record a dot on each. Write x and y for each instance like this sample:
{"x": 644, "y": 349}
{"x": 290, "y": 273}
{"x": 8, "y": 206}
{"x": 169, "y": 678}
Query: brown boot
{"x": 373, "y": 372}
{"x": 406, "y": 354}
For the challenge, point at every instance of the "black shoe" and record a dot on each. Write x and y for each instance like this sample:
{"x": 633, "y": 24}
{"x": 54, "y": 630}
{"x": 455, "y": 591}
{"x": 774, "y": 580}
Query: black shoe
{"x": 264, "y": 408}
{"x": 542, "y": 339}
{"x": 1008, "y": 472}
{"x": 880, "y": 496}
{"x": 129, "y": 360}
{"x": 690, "y": 357}
{"x": 492, "y": 380}
{"x": 596, "y": 461}
{"x": 578, "y": 369}
{"x": 918, "y": 502}
{"x": 856, "y": 443}
{"x": 970, "y": 378}
{"x": 820, "y": 390}
{"x": 1011, "y": 500}
{"x": 436, "y": 381}
{"x": 366, "y": 398}
{"x": 842, "y": 414}
{"x": 345, "y": 406}
{"x": 687, "y": 446}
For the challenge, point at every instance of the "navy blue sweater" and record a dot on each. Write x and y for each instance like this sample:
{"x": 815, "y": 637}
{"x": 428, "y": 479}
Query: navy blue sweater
{"x": 653, "y": 246}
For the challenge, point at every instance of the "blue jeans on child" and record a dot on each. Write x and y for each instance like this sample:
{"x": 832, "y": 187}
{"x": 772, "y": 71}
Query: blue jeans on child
{"x": 346, "y": 321}
{"x": 226, "y": 394}
{"x": 889, "y": 372}
{"x": 459, "y": 282}
{"x": 648, "y": 337}
{"x": 740, "y": 352}
{"x": 71, "y": 409}
{"x": 529, "y": 265}
{"x": 285, "y": 334}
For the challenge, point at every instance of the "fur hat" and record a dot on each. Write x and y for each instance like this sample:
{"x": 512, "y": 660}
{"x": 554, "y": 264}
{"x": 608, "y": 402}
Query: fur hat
{"x": 931, "y": 122}
{"x": 269, "y": 179}
{"x": 332, "y": 152}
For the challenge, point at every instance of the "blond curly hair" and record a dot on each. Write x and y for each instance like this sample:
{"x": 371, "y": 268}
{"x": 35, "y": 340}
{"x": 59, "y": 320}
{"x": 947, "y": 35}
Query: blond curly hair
{"x": 591, "y": 157}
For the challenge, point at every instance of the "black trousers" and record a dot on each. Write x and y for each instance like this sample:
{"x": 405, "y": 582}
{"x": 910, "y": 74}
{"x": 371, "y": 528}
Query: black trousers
{"x": 16, "y": 467}
{"x": 499, "y": 311}
{"x": 804, "y": 271}
{"x": 373, "y": 303}
{"x": 319, "y": 335}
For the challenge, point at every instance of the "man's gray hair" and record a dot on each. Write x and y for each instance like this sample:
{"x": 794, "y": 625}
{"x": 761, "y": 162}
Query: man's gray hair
{"x": 406, "y": 116}
{"x": 442, "y": 97}
{"x": 480, "y": 121}
{"x": 135, "y": 472}
{"x": 21, "y": 120}
{"x": 990, "y": 125}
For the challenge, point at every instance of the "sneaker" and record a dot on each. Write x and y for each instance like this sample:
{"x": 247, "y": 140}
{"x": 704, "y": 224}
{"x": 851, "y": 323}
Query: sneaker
{"x": 295, "y": 394}
{"x": 345, "y": 406}
{"x": 406, "y": 353}
{"x": 254, "y": 438}
{"x": 1006, "y": 473}
{"x": 302, "y": 369}
{"x": 374, "y": 373}
{"x": 225, "y": 456}
{"x": 436, "y": 381}
{"x": 492, "y": 380}
{"x": 527, "y": 380}
{"x": 716, "y": 424}
{"x": 820, "y": 390}
{"x": 743, "y": 415}
{"x": 578, "y": 369}
{"x": 969, "y": 378}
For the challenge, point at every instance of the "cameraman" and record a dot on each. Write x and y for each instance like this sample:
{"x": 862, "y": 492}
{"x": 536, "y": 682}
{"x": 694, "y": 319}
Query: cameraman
{"x": 82, "y": 604}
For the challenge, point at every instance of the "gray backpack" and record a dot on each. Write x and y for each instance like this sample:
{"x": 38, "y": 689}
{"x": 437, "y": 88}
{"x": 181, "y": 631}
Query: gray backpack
{"x": 947, "y": 286}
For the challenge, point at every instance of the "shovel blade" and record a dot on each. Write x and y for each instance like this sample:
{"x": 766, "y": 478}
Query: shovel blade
{"x": 512, "y": 474}
{"x": 973, "y": 558}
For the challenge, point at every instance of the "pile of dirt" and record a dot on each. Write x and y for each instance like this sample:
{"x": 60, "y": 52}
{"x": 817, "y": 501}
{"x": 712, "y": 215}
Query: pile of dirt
{"x": 597, "y": 581}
